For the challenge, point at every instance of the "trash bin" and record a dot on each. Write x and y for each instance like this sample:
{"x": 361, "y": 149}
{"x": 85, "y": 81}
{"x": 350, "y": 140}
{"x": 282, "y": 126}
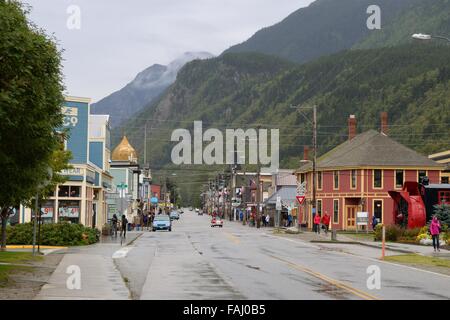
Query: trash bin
{"x": 129, "y": 227}
{"x": 333, "y": 235}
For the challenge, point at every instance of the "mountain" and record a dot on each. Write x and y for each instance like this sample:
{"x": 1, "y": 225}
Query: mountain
{"x": 430, "y": 17}
{"x": 329, "y": 26}
{"x": 145, "y": 87}
{"x": 410, "y": 82}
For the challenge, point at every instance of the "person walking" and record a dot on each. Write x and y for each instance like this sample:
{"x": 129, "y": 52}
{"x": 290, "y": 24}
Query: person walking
{"x": 124, "y": 224}
{"x": 289, "y": 220}
{"x": 435, "y": 229}
{"x": 114, "y": 225}
{"x": 374, "y": 222}
{"x": 145, "y": 220}
{"x": 317, "y": 223}
{"x": 267, "y": 219}
{"x": 326, "y": 222}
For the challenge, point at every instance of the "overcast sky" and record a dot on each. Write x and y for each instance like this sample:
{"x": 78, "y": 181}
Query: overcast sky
{"x": 117, "y": 39}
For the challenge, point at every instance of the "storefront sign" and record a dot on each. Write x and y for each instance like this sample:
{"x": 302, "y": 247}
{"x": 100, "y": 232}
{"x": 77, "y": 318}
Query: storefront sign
{"x": 69, "y": 212}
{"x": 362, "y": 218}
{"x": 72, "y": 172}
{"x": 70, "y": 116}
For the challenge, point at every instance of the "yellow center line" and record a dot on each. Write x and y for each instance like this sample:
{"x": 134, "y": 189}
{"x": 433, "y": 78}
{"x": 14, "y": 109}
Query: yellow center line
{"x": 232, "y": 237}
{"x": 356, "y": 292}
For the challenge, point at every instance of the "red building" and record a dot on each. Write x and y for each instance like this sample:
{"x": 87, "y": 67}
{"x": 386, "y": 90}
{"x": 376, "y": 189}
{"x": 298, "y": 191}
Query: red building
{"x": 357, "y": 175}
{"x": 156, "y": 191}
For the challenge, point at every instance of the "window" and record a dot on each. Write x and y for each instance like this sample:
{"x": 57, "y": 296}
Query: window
{"x": 335, "y": 211}
{"x": 377, "y": 179}
{"x": 445, "y": 180}
{"x": 336, "y": 179}
{"x": 444, "y": 197}
{"x": 319, "y": 207}
{"x": 69, "y": 191}
{"x": 378, "y": 210}
{"x": 353, "y": 179}
{"x": 420, "y": 175}
{"x": 302, "y": 177}
{"x": 319, "y": 180}
{"x": 399, "y": 178}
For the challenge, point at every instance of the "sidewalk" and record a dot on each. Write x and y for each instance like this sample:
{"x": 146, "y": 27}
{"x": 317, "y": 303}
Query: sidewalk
{"x": 99, "y": 277}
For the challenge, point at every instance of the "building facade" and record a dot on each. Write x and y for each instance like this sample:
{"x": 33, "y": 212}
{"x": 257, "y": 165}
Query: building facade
{"x": 357, "y": 175}
{"x": 81, "y": 199}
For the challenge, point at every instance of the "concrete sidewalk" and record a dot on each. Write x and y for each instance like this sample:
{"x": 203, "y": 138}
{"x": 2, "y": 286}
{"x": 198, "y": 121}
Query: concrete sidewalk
{"x": 99, "y": 277}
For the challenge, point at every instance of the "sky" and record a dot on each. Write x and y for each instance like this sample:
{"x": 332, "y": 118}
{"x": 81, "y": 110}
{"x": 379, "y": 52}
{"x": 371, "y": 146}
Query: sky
{"x": 107, "y": 42}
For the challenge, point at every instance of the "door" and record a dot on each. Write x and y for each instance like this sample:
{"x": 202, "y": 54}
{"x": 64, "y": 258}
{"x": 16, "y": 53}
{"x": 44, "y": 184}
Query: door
{"x": 351, "y": 217}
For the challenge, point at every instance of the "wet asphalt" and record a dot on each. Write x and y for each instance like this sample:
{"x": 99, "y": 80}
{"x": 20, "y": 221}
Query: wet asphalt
{"x": 195, "y": 261}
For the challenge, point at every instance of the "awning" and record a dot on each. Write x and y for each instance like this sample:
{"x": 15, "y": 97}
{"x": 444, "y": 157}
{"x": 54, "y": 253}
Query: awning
{"x": 286, "y": 193}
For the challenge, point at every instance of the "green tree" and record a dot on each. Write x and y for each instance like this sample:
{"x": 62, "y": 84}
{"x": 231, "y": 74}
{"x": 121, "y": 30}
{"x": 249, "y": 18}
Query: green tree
{"x": 443, "y": 213}
{"x": 30, "y": 109}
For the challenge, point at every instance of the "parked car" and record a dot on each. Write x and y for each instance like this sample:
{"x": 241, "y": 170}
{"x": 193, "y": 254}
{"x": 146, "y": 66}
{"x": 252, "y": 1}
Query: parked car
{"x": 199, "y": 212}
{"x": 174, "y": 215}
{"x": 162, "y": 222}
{"x": 216, "y": 222}
{"x": 190, "y": 208}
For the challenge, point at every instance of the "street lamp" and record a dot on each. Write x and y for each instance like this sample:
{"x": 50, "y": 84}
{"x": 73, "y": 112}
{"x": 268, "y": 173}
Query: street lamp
{"x": 428, "y": 37}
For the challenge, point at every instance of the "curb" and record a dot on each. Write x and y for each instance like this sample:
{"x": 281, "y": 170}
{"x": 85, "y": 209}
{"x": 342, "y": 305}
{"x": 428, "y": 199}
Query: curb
{"x": 31, "y": 247}
{"x": 387, "y": 248}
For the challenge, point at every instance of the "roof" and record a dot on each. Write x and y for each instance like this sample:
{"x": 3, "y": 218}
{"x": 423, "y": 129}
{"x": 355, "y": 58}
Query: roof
{"x": 124, "y": 151}
{"x": 438, "y": 186}
{"x": 287, "y": 193}
{"x": 372, "y": 148}
{"x": 286, "y": 179}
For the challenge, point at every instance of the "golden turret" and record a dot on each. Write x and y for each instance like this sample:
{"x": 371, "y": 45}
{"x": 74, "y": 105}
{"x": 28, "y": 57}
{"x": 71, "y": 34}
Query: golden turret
{"x": 124, "y": 152}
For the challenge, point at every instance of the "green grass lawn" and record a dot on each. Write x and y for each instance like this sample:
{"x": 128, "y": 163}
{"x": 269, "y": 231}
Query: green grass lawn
{"x": 13, "y": 258}
{"x": 18, "y": 257}
{"x": 419, "y": 260}
{"x": 359, "y": 236}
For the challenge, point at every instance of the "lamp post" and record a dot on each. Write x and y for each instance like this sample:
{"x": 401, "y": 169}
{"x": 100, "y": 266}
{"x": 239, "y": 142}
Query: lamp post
{"x": 428, "y": 37}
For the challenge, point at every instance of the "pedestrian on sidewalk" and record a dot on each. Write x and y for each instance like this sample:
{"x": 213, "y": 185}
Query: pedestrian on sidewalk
{"x": 267, "y": 219}
{"x": 317, "y": 223}
{"x": 326, "y": 222}
{"x": 114, "y": 225}
{"x": 435, "y": 229}
{"x": 289, "y": 220}
{"x": 124, "y": 224}
{"x": 145, "y": 218}
{"x": 374, "y": 222}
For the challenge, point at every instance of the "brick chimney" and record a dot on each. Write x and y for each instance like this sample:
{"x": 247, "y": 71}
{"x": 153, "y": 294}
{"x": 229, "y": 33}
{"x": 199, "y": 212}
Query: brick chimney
{"x": 351, "y": 127}
{"x": 384, "y": 123}
{"x": 305, "y": 152}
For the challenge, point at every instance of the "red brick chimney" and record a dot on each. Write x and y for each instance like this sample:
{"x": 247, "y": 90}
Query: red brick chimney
{"x": 384, "y": 123}
{"x": 305, "y": 152}
{"x": 351, "y": 127}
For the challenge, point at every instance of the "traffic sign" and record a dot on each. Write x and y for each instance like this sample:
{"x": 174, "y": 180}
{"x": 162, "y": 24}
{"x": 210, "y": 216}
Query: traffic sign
{"x": 300, "y": 199}
{"x": 278, "y": 204}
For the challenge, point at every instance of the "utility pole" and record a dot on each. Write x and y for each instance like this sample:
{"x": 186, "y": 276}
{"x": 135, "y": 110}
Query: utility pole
{"x": 314, "y": 158}
{"x": 145, "y": 143}
{"x": 258, "y": 197}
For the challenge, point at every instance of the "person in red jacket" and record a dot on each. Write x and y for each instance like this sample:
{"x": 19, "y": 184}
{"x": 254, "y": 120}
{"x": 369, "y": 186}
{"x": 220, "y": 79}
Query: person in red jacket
{"x": 317, "y": 223}
{"x": 326, "y": 222}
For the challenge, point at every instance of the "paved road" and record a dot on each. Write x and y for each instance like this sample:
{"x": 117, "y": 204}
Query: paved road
{"x": 195, "y": 261}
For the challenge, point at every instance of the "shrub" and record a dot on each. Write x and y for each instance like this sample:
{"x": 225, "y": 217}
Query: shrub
{"x": 411, "y": 234}
{"x": 393, "y": 232}
{"x": 53, "y": 234}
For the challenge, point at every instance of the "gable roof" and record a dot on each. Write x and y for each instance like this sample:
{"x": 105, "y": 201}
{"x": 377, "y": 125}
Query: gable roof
{"x": 372, "y": 148}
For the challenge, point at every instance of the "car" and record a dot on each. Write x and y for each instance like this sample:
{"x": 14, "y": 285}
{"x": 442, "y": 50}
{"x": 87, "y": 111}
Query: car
{"x": 216, "y": 222}
{"x": 191, "y": 209}
{"x": 162, "y": 222}
{"x": 174, "y": 215}
{"x": 199, "y": 212}
{"x": 181, "y": 211}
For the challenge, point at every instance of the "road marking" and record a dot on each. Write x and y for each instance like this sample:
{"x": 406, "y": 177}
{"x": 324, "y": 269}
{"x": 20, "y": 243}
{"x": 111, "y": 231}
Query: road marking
{"x": 336, "y": 283}
{"x": 232, "y": 237}
{"x": 122, "y": 253}
{"x": 359, "y": 256}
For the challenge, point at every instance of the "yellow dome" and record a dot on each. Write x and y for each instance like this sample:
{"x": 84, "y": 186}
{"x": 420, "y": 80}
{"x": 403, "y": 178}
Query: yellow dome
{"x": 124, "y": 151}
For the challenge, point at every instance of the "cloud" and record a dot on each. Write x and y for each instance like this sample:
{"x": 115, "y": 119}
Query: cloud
{"x": 118, "y": 39}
